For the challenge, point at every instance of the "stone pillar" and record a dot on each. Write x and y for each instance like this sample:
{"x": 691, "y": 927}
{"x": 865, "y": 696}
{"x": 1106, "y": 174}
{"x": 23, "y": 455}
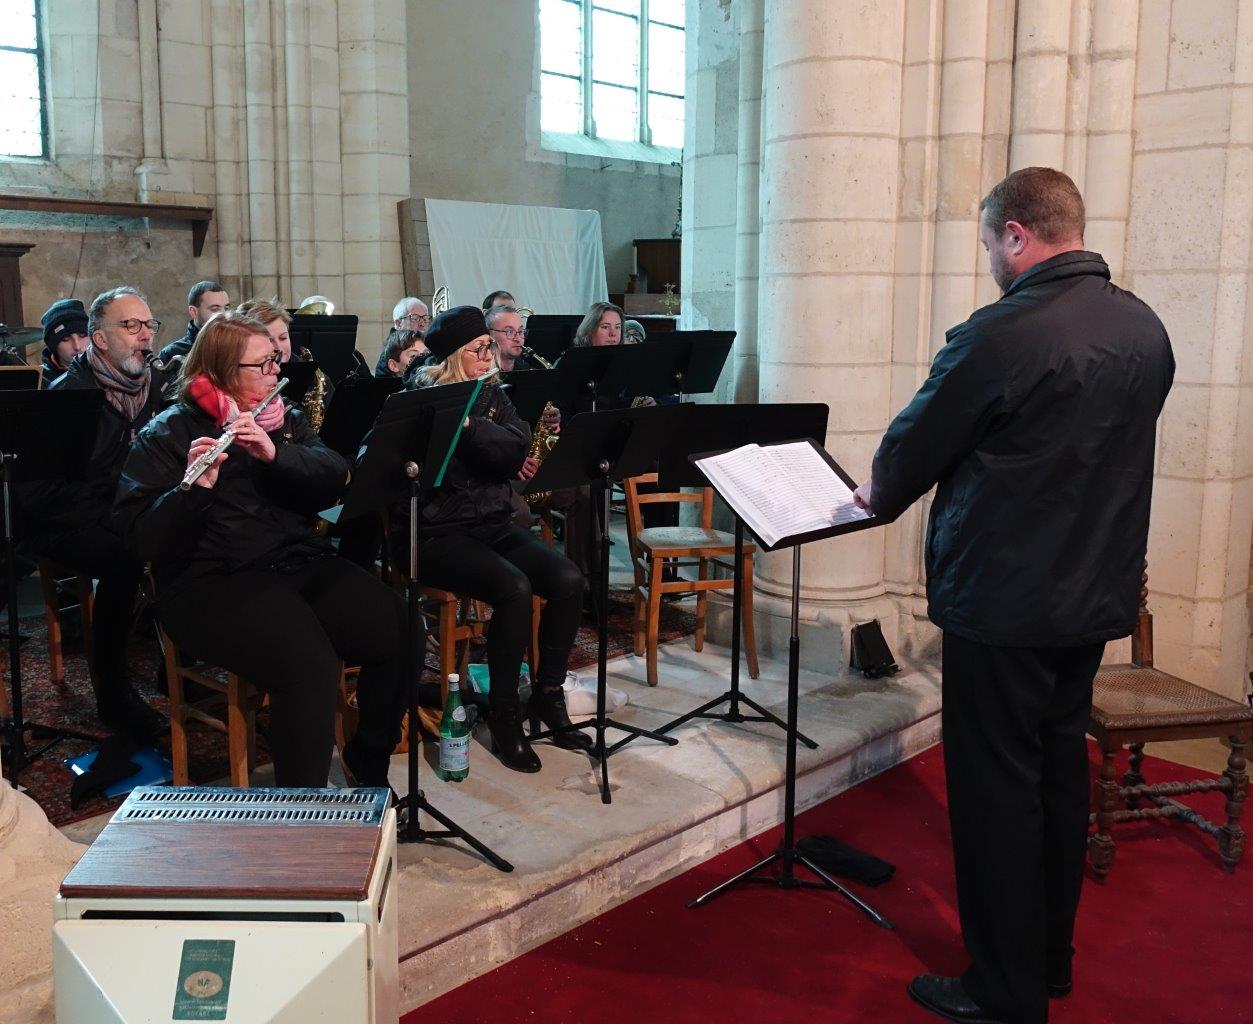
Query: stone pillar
{"x": 1041, "y": 83}
{"x": 34, "y": 857}
{"x": 830, "y": 159}
{"x": 748, "y": 202}
{"x": 1188, "y": 256}
{"x": 709, "y": 173}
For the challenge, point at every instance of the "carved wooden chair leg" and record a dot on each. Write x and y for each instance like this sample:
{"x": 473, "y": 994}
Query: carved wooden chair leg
{"x": 750, "y": 629}
{"x": 702, "y": 607}
{"x": 1132, "y": 776}
{"x": 1231, "y": 835}
{"x": 237, "y": 730}
{"x": 1102, "y": 843}
{"x": 657, "y": 567}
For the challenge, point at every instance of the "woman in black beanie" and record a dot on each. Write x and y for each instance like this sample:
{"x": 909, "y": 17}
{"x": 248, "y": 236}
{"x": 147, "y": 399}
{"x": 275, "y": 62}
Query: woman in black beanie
{"x": 470, "y": 545}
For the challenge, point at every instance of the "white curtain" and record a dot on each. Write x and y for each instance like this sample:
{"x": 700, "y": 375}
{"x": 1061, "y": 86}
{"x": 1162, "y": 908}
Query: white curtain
{"x": 549, "y": 259}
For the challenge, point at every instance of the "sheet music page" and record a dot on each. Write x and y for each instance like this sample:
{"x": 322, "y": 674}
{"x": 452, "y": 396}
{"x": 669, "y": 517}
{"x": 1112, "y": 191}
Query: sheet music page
{"x": 824, "y": 493}
{"x": 782, "y": 490}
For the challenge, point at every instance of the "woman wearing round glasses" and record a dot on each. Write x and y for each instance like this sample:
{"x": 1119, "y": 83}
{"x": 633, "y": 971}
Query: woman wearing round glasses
{"x": 470, "y": 545}
{"x": 243, "y": 578}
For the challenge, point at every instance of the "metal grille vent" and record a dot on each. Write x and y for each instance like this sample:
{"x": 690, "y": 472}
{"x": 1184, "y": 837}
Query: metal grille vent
{"x": 361, "y": 807}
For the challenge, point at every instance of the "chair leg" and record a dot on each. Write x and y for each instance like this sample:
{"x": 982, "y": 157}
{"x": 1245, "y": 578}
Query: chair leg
{"x": 746, "y": 612}
{"x": 654, "y": 617}
{"x": 1132, "y": 776}
{"x": 56, "y": 660}
{"x": 237, "y": 730}
{"x": 702, "y": 607}
{"x": 87, "y": 611}
{"x": 1231, "y": 835}
{"x": 178, "y": 721}
{"x": 1107, "y": 795}
{"x": 640, "y": 608}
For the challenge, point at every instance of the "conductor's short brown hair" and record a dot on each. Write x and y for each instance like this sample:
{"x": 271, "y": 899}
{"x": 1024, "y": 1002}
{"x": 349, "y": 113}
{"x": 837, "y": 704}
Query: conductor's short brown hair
{"x": 1041, "y": 199}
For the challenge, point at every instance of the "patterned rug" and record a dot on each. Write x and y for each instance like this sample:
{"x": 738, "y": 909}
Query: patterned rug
{"x": 72, "y": 705}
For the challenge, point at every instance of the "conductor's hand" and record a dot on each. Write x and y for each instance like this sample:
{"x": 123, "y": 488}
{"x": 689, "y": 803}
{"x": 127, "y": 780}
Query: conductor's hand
{"x": 529, "y": 466}
{"x": 862, "y": 496}
{"x": 252, "y": 438}
{"x": 552, "y": 420}
{"x": 198, "y": 448}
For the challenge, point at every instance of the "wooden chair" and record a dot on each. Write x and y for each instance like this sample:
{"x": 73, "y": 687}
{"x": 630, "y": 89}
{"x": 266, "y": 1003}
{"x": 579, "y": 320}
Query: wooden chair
{"x": 64, "y": 589}
{"x": 1136, "y": 704}
{"x": 231, "y": 708}
{"x": 652, "y": 548}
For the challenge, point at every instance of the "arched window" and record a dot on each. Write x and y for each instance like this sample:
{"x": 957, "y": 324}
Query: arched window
{"x": 23, "y": 121}
{"x": 613, "y": 69}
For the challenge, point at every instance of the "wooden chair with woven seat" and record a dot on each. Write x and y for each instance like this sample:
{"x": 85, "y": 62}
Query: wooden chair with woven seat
{"x": 653, "y": 548}
{"x": 1135, "y": 704}
{"x": 64, "y": 589}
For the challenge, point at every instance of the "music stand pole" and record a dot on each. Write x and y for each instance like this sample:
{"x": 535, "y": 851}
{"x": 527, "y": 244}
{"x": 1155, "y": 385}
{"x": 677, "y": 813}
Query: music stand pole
{"x": 410, "y": 831}
{"x": 733, "y": 696}
{"x": 787, "y": 856}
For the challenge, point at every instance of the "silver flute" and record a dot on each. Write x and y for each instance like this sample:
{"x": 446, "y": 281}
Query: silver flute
{"x": 206, "y": 460}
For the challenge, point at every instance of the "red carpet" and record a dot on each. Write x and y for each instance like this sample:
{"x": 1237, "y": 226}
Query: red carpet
{"x": 1165, "y": 940}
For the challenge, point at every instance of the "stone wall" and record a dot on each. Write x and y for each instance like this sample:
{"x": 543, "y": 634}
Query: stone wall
{"x": 864, "y": 138}
{"x": 289, "y": 119}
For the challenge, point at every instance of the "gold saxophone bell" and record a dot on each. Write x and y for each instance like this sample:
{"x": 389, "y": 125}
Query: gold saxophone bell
{"x": 543, "y": 441}
{"x": 439, "y": 301}
{"x": 314, "y": 402}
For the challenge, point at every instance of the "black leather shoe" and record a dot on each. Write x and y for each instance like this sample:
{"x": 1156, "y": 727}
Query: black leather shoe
{"x": 510, "y": 744}
{"x": 946, "y": 997}
{"x": 1058, "y": 981}
{"x": 127, "y": 714}
{"x": 549, "y": 706}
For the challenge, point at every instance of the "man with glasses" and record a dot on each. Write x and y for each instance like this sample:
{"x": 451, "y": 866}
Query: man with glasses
{"x": 408, "y": 315}
{"x": 70, "y": 519}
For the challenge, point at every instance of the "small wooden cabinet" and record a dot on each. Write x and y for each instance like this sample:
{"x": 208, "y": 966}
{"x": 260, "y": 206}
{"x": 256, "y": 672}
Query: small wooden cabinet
{"x": 11, "y": 312}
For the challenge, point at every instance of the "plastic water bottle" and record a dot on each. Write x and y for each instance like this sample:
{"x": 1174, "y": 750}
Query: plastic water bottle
{"x": 454, "y": 735}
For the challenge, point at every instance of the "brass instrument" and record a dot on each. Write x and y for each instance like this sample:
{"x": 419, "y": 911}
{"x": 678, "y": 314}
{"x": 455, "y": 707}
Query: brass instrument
{"x": 161, "y": 366}
{"x": 314, "y": 402}
{"x": 524, "y": 311}
{"x": 543, "y": 441}
{"x": 197, "y": 468}
{"x": 317, "y": 305}
{"x": 535, "y": 357}
{"x": 439, "y": 301}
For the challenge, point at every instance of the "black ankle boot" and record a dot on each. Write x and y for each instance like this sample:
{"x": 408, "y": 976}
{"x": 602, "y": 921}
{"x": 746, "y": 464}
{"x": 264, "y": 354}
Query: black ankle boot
{"x": 124, "y": 712}
{"x": 549, "y": 706}
{"x": 509, "y": 743}
{"x": 365, "y": 766}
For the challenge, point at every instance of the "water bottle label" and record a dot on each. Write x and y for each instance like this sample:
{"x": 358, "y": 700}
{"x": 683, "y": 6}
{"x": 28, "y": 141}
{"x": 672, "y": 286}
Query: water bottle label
{"x": 454, "y": 753}
{"x": 459, "y": 713}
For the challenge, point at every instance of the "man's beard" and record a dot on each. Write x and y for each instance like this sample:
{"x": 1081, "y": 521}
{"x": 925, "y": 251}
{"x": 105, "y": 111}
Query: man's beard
{"x": 134, "y": 365}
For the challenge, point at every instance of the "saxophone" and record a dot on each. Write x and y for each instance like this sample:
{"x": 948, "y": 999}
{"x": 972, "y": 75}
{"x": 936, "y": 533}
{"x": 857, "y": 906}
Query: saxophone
{"x": 535, "y": 357}
{"x": 543, "y": 441}
{"x": 314, "y": 402}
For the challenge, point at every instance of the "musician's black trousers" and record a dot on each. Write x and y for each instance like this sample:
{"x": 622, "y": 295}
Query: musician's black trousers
{"x": 1017, "y": 767}
{"x": 505, "y": 572}
{"x": 285, "y": 630}
{"x": 98, "y": 552}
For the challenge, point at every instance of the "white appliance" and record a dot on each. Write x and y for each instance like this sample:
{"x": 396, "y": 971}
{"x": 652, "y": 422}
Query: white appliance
{"x": 236, "y": 905}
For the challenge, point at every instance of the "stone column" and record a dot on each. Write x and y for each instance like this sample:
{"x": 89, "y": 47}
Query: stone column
{"x": 830, "y": 159}
{"x": 748, "y": 204}
{"x": 34, "y": 857}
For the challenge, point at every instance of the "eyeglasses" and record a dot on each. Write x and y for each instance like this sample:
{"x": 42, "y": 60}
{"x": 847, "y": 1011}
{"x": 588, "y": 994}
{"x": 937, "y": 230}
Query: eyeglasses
{"x": 482, "y": 351}
{"x": 134, "y": 325}
{"x": 509, "y": 332}
{"x": 270, "y": 365}
{"x": 420, "y": 318}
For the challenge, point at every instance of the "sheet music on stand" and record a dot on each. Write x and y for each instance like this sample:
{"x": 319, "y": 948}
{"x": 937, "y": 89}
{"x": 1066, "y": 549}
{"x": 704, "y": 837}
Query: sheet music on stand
{"x": 784, "y": 491}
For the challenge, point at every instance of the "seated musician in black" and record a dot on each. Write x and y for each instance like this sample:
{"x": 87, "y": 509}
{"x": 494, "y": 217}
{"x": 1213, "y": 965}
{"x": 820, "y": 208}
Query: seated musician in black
{"x": 400, "y": 350}
{"x": 65, "y": 336}
{"x": 243, "y": 579}
{"x": 469, "y": 544}
{"x": 204, "y": 300}
{"x": 68, "y": 521}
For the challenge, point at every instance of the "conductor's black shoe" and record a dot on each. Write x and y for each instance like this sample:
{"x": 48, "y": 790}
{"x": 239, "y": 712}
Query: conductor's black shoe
{"x": 549, "y": 706}
{"x": 946, "y": 997}
{"x": 509, "y": 743}
{"x": 1058, "y": 981}
{"x": 127, "y": 714}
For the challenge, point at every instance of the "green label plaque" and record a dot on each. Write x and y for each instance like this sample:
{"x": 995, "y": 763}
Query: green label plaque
{"x": 204, "y": 979}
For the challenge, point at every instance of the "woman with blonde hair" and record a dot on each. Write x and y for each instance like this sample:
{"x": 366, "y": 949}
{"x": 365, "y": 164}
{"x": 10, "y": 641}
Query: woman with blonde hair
{"x": 470, "y": 545}
{"x": 601, "y": 326}
{"x": 244, "y": 579}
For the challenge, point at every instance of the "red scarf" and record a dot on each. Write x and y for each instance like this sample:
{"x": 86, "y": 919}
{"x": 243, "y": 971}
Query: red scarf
{"x": 213, "y": 400}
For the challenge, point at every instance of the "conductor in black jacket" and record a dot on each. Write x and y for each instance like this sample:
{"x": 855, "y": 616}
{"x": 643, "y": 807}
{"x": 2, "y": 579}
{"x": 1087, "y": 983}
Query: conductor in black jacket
{"x": 243, "y": 578}
{"x": 470, "y": 545}
{"x": 1037, "y": 422}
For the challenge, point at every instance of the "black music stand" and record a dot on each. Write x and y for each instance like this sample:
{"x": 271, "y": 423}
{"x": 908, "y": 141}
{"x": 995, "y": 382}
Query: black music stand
{"x": 597, "y": 449}
{"x": 302, "y": 376}
{"x": 787, "y": 855}
{"x": 331, "y": 340}
{"x": 531, "y": 390}
{"x": 352, "y": 411}
{"x": 44, "y": 435}
{"x": 404, "y": 453}
{"x": 550, "y": 334}
{"x": 701, "y": 356}
{"x": 705, "y": 428}
{"x": 596, "y": 373}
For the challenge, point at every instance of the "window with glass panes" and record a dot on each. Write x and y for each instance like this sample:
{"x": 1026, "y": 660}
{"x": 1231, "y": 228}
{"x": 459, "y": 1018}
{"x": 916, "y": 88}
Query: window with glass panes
{"x": 21, "y": 80}
{"x": 613, "y": 69}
